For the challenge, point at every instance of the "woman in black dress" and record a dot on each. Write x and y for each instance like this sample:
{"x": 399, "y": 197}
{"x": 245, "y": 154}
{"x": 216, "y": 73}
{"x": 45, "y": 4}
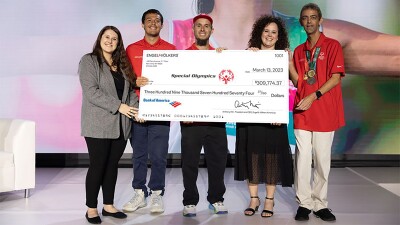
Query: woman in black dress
{"x": 263, "y": 153}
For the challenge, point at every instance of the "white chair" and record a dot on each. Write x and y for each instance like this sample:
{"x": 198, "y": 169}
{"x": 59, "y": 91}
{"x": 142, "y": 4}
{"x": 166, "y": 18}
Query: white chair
{"x": 17, "y": 155}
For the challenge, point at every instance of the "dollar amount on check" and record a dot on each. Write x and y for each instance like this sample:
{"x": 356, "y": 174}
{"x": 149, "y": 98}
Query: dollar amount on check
{"x": 206, "y": 86}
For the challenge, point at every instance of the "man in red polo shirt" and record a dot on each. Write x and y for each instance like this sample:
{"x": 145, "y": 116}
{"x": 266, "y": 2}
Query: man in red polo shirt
{"x": 211, "y": 136}
{"x": 318, "y": 112}
{"x": 150, "y": 139}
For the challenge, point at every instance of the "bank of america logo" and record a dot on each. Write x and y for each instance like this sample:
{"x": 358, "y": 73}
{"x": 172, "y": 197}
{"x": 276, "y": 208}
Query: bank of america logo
{"x": 175, "y": 104}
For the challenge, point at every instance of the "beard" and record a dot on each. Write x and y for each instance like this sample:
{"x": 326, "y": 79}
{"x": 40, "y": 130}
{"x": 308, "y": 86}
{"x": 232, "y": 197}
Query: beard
{"x": 201, "y": 42}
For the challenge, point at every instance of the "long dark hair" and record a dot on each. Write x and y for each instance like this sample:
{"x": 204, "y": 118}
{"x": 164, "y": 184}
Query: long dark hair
{"x": 119, "y": 58}
{"x": 258, "y": 29}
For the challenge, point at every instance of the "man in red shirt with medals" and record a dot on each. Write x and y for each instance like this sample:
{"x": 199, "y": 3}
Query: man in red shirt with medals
{"x": 211, "y": 136}
{"x": 316, "y": 71}
{"x": 149, "y": 139}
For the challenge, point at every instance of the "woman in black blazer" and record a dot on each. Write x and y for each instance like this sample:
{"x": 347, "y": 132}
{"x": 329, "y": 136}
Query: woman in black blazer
{"x": 108, "y": 104}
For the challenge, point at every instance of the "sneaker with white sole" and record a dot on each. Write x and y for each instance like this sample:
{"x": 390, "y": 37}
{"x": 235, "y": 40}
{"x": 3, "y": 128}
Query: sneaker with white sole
{"x": 218, "y": 208}
{"x": 137, "y": 201}
{"x": 189, "y": 210}
{"x": 156, "y": 202}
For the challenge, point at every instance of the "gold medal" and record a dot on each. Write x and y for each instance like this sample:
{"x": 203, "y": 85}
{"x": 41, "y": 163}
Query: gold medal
{"x": 311, "y": 73}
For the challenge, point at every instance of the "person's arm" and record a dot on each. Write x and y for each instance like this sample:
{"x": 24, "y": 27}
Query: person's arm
{"x": 293, "y": 75}
{"x": 133, "y": 106}
{"x": 133, "y": 98}
{"x": 91, "y": 88}
{"x": 142, "y": 81}
{"x": 306, "y": 102}
{"x": 366, "y": 52}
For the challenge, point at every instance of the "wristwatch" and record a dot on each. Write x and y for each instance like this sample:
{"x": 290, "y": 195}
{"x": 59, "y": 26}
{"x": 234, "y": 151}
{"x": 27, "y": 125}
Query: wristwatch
{"x": 318, "y": 94}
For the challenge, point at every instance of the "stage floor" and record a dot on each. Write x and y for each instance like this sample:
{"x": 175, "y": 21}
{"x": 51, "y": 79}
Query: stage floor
{"x": 358, "y": 195}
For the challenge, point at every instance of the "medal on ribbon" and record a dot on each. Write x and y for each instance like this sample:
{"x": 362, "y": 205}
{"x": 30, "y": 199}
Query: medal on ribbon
{"x": 311, "y": 73}
{"x": 309, "y": 76}
{"x": 311, "y": 80}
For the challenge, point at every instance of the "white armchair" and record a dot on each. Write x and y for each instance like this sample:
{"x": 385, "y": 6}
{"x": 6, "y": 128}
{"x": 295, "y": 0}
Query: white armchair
{"x": 17, "y": 155}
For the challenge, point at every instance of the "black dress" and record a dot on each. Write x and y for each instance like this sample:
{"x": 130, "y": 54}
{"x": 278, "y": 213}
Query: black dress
{"x": 263, "y": 154}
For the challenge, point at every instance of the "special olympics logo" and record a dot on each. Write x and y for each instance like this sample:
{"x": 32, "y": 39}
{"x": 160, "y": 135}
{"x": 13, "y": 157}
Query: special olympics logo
{"x": 321, "y": 56}
{"x": 226, "y": 76}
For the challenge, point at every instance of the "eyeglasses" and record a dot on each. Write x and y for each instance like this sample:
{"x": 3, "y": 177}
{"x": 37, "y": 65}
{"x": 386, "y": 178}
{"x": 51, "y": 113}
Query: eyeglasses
{"x": 312, "y": 17}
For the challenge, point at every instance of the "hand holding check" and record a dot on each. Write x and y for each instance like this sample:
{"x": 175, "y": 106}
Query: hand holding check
{"x": 142, "y": 81}
{"x": 128, "y": 111}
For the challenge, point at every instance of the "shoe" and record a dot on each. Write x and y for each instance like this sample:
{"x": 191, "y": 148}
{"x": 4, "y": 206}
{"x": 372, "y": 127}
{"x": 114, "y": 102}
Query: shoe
{"x": 93, "y": 220}
{"x": 137, "y": 201}
{"x": 268, "y": 211}
{"x": 119, "y": 215}
{"x": 302, "y": 214}
{"x": 251, "y": 210}
{"x": 156, "y": 202}
{"x": 189, "y": 210}
{"x": 218, "y": 208}
{"x": 325, "y": 214}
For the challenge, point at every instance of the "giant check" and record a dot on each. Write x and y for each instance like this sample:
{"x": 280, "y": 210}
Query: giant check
{"x": 231, "y": 86}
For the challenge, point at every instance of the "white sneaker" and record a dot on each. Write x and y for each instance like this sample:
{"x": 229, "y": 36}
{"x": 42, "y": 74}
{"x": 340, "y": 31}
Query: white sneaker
{"x": 156, "y": 202}
{"x": 218, "y": 208}
{"x": 137, "y": 201}
{"x": 189, "y": 210}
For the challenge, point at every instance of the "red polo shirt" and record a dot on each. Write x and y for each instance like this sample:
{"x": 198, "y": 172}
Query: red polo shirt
{"x": 325, "y": 114}
{"x": 135, "y": 53}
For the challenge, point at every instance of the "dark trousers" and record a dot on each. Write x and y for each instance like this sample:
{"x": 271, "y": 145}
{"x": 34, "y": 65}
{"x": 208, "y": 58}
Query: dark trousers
{"x": 212, "y": 137}
{"x": 150, "y": 141}
{"x": 104, "y": 155}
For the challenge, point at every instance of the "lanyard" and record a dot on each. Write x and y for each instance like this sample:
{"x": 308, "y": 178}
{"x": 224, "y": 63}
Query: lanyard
{"x": 314, "y": 55}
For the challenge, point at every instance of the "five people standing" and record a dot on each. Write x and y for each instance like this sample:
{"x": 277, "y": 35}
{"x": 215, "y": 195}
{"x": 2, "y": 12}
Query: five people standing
{"x": 111, "y": 88}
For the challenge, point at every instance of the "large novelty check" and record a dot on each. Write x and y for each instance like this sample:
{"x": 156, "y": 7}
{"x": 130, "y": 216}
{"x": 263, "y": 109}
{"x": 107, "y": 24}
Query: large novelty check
{"x": 231, "y": 86}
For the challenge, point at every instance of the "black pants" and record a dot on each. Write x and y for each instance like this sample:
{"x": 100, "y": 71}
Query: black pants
{"x": 211, "y": 136}
{"x": 104, "y": 155}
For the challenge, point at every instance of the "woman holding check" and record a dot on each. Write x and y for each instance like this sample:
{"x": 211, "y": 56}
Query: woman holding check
{"x": 108, "y": 105}
{"x": 262, "y": 151}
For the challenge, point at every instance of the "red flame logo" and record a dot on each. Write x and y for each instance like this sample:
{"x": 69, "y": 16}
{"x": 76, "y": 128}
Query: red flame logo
{"x": 226, "y": 76}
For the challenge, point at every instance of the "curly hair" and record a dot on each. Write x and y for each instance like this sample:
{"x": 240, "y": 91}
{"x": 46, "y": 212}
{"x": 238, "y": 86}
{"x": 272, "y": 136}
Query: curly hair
{"x": 119, "y": 57}
{"x": 258, "y": 29}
